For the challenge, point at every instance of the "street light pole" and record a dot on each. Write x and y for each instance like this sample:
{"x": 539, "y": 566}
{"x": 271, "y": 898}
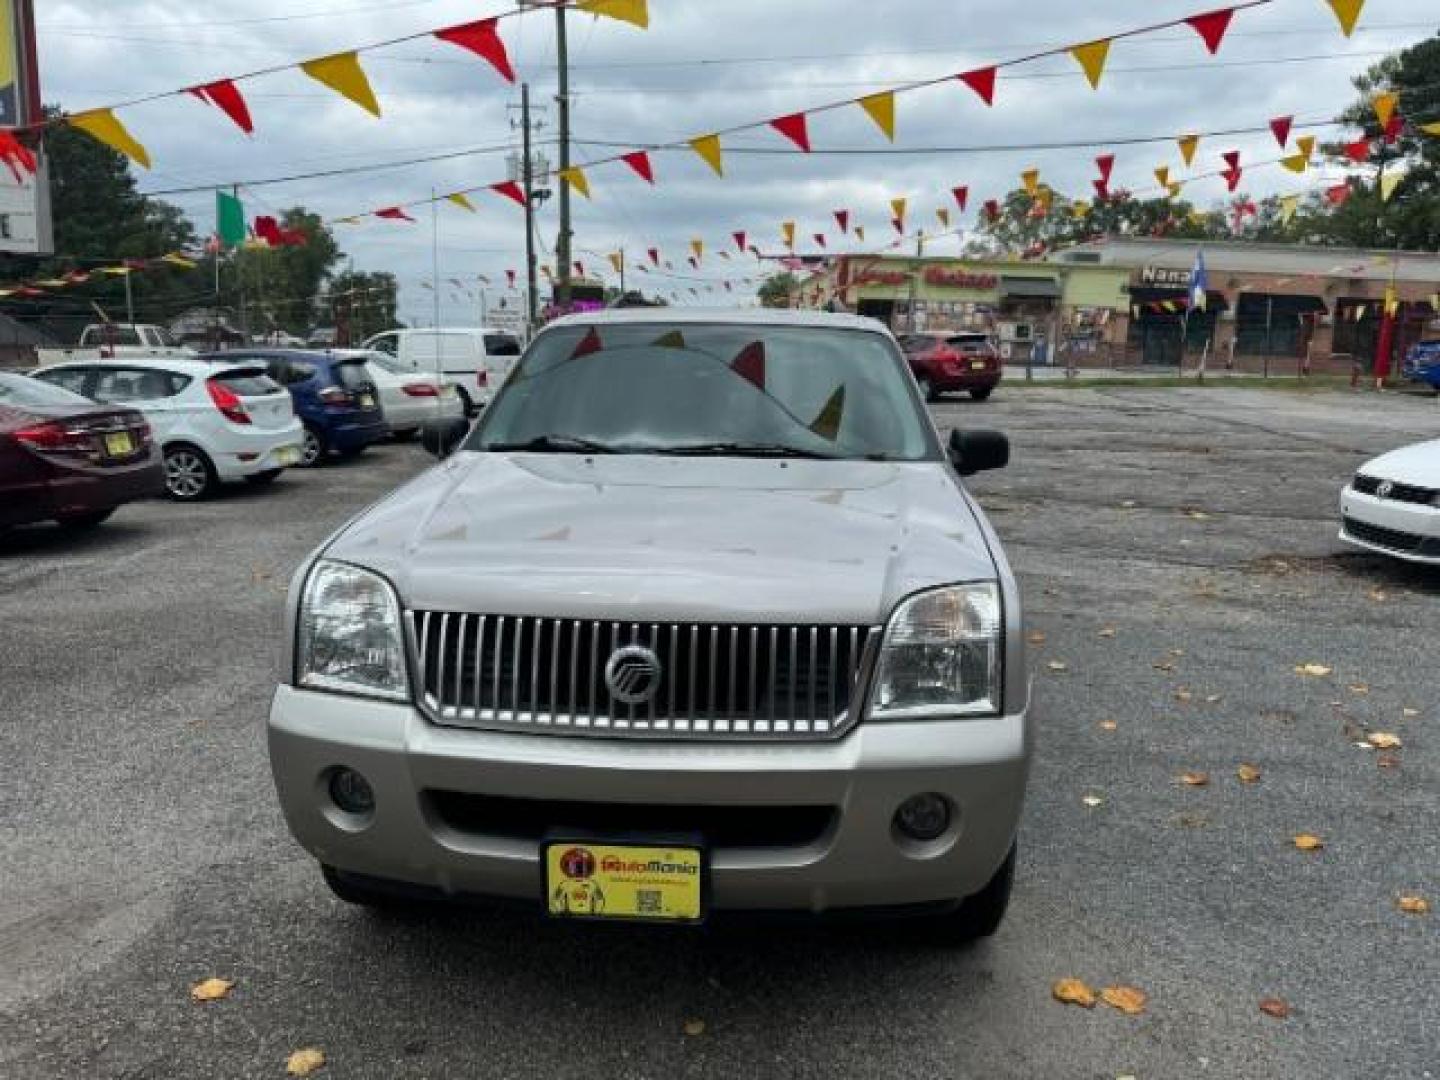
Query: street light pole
{"x": 528, "y": 173}
{"x": 562, "y": 99}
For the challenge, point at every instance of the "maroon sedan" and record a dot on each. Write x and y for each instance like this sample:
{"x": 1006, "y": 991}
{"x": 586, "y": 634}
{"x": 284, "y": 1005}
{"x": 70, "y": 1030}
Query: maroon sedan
{"x": 956, "y": 361}
{"x": 65, "y": 458}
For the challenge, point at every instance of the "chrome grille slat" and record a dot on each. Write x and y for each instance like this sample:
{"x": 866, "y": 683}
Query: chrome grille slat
{"x": 718, "y": 680}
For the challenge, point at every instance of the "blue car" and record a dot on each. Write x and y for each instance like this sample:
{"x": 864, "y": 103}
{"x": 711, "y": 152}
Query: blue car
{"x": 334, "y": 398}
{"x": 1422, "y": 363}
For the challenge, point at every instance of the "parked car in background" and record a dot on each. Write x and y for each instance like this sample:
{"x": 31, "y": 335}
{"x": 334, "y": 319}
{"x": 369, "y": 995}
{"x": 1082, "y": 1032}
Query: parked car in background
{"x": 1392, "y": 504}
{"x": 408, "y": 398}
{"x": 477, "y": 358}
{"x": 705, "y": 620}
{"x": 108, "y": 341}
{"x": 1422, "y": 363}
{"x": 334, "y": 395}
{"x": 214, "y": 422}
{"x": 945, "y": 363}
{"x": 65, "y": 459}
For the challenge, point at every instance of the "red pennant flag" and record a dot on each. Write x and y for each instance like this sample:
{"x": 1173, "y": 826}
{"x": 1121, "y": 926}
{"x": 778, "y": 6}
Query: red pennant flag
{"x": 739, "y": 241}
{"x": 1394, "y": 126}
{"x": 390, "y": 213}
{"x": 225, "y": 96}
{"x": 590, "y": 343}
{"x": 842, "y": 218}
{"x": 640, "y": 162}
{"x": 750, "y": 363}
{"x": 899, "y": 224}
{"x": 992, "y": 209}
{"x": 16, "y": 156}
{"x": 1232, "y": 158}
{"x": 794, "y": 128}
{"x": 1106, "y": 164}
{"x": 1102, "y": 189}
{"x": 511, "y": 190}
{"x": 293, "y": 238}
{"x": 1281, "y": 127}
{"x": 1232, "y": 177}
{"x": 962, "y": 196}
{"x": 510, "y": 277}
{"x": 654, "y": 254}
{"x": 1337, "y": 194}
{"x": 1359, "y": 150}
{"x": 483, "y": 40}
{"x": 982, "y": 82}
{"x": 1212, "y": 26}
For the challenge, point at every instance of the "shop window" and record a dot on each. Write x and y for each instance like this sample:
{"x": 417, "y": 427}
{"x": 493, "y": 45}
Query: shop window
{"x": 1357, "y": 337}
{"x": 1272, "y": 324}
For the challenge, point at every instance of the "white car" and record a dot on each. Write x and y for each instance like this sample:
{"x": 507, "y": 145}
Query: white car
{"x": 1393, "y": 504}
{"x": 409, "y": 398}
{"x": 214, "y": 422}
{"x": 477, "y": 358}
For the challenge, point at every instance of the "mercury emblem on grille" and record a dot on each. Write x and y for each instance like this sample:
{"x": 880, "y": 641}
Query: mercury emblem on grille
{"x": 1384, "y": 488}
{"x": 632, "y": 675}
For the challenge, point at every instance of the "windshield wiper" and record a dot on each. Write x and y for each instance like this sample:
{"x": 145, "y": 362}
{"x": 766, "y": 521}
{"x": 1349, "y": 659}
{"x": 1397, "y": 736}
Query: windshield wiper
{"x": 552, "y": 444}
{"x": 739, "y": 449}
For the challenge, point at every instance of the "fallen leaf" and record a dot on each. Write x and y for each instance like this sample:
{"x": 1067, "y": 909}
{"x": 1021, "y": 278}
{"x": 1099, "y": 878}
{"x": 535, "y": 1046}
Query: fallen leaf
{"x": 1413, "y": 905}
{"x": 1183, "y": 694}
{"x": 1359, "y": 688}
{"x": 1409, "y": 713}
{"x": 304, "y": 1062}
{"x": 1197, "y": 515}
{"x": 1074, "y": 992}
{"x": 1309, "y": 842}
{"x": 1108, "y": 631}
{"x": 1177, "y": 652}
{"x": 211, "y": 990}
{"x": 1058, "y": 665}
{"x": 1195, "y": 779}
{"x": 1036, "y": 637}
{"x": 1163, "y": 665}
{"x": 1248, "y": 774}
{"x": 1211, "y": 699}
{"x": 1127, "y": 999}
{"x": 1275, "y": 1007}
{"x": 1383, "y": 740}
{"x": 1108, "y": 725}
{"x": 1312, "y": 669}
{"x": 694, "y": 1027}
{"x": 1092, "y": 801}
{"x": 1378, "y": 595}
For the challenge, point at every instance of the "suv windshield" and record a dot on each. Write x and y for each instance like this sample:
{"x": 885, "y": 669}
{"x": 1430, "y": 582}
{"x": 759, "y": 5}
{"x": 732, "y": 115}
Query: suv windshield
{"x": 727, "y": 390}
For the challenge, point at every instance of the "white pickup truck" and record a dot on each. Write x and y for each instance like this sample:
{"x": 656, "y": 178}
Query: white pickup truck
{"x": 111, "y": 341}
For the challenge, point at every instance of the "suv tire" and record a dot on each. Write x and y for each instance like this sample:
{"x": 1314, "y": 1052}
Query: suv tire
{"x": 313, "y": 448}
{"x": 979, "y": 915}
{"x": 980, "y": 393}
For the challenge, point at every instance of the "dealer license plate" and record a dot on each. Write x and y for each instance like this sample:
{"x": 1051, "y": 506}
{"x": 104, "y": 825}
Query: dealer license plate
{"x": 610, "y": 881}
{"x": 366, "y": 401}
{"x": 119, "y": 444}
{"x": 977, "y": 365}
{"x": 288, "y": 455}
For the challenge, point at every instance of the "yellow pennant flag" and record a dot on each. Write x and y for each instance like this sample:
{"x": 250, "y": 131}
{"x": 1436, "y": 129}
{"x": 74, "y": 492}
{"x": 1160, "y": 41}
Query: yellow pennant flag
{"x": 121, "y": 271}
{"x": 104, "y": 126}
{"x": 576, "y": 179}
{"x": 617, "y": 260}
{"x": 1163, "y": 175}
{"x": 1388, "y": 183}
{"x": 1384, "y": 105}
{"x": 1031, "y": 179}
{"x": 1091, "y": 58}
{"x": 635, "y": 12}
{"x": 461, "y": 201}
{"x": 1392, "y": 301}
{"x": 1432, "y": 128}
{"x": 1174, "y": 188}
{"x": 698, "y": 247}
{"x": 897, "y": 207}
{"x": 944, "y": 215}
{"x": 1188, "y": 146}
{"x": 176, "y": 259}
{"x": 1296, "y": 163}
{"x": 1348, "y": 12}
{"x": 787, "y": 230}
{"x": 343, "y": 74}
{"x": 1288, "y": 205}
{"x": 881, "y": 109}
{"x": 1306, "y": 145}
{"x": 708, "y": 147}
{"x": 1080, "y": 208}
{"x": 827, "y": 424}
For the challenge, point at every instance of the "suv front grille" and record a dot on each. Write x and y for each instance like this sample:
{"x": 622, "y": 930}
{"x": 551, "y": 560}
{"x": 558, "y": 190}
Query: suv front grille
{"x": 1369, "y": 485}
{"x": 520, "y": 673}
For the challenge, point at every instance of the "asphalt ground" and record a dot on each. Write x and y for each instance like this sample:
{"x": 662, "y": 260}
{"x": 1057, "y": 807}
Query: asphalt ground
{"x": 1177, "y": 549}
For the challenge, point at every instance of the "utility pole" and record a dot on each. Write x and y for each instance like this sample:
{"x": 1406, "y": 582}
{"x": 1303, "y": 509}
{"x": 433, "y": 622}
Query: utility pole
{"x": 528, "y": 174}
{"x": 435, "y": 257}
{"x": 129, "y": 299}
{"x": 622, "y": 272}
{"x": 562, "y": 99}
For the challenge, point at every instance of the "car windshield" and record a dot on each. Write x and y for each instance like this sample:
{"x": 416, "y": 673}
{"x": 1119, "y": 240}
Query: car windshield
{"x": 21, "y": 390}
{"x": 727, "y": 390}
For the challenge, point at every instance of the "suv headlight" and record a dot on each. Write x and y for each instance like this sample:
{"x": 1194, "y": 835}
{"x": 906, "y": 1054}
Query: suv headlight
{"x": 350, "y": 635}
{"x": 941, "y": 655}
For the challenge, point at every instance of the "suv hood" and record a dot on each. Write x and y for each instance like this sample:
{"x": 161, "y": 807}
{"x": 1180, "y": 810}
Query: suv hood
{"x": 652, "y": 538}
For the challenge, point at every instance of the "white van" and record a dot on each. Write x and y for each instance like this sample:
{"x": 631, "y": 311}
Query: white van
{"x": 476, "y": 358}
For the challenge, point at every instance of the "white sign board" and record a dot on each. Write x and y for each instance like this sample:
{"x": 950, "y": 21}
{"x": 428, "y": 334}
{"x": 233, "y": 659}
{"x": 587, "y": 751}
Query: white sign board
{"x": 25, "y": 227}
{"x": 25, "y": 213}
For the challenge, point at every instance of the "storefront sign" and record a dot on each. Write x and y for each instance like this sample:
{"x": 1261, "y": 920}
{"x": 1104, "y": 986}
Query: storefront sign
{"x": 946, "y": 277}
{"x": 1162, "y": 278}
{"x": 872, "y": 275}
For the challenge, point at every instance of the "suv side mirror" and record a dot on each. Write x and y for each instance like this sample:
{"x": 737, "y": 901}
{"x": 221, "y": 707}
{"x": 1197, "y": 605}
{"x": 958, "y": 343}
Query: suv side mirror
{"x": 971, "y": 452}
{"x": 440, "y": 437}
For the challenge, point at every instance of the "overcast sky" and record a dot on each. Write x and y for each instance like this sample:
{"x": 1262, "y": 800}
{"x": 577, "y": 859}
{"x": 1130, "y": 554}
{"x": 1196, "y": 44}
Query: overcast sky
{"x": 702, "y": 65}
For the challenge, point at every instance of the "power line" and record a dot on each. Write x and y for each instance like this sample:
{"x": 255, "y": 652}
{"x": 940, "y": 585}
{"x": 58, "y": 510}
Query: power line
{"x": 325, "y": 14}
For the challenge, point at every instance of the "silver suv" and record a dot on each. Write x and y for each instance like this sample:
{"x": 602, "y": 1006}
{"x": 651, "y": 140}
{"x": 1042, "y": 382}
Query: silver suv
{"x": 697, "y": 617}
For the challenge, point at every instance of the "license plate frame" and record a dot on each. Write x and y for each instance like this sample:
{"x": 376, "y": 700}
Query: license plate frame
{"x": 677, "y": 906}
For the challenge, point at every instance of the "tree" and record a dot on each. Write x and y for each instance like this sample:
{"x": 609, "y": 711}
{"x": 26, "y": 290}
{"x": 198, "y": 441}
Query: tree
{"x": 360, "y": 305}
{"x": 281, "y": 285}
{"x": 776, "y": 290}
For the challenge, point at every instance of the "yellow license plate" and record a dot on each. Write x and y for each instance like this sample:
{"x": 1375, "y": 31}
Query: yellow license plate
{"x": 977, "y": 365}
{"x": 366, "y": 401}
{"x": 288, "y": 455}
{"x": 608, "y": 881}
{"x": 119, "y": 444}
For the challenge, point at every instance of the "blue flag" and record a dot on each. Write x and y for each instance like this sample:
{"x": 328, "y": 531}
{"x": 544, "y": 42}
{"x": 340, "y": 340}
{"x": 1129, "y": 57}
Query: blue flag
{"x": 1199, "y": 283}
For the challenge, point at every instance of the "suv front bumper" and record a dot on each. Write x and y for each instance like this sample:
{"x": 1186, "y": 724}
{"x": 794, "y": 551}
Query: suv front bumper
{"x": 857, "y": 860}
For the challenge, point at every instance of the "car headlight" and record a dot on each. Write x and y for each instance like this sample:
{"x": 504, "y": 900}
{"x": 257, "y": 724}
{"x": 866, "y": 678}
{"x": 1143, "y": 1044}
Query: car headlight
{"x": 941, "y": 655}
{"x": 350, "y": 636}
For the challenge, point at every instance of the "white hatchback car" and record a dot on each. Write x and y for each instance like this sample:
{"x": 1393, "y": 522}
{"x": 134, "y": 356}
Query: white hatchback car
{"x": 214, "y": 422}
{"x": 1393, "y": 504}
{"x": 408, "y": 398}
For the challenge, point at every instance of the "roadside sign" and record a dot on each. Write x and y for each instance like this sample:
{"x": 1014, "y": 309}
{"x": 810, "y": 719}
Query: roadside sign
{"x": 25, "y": 225}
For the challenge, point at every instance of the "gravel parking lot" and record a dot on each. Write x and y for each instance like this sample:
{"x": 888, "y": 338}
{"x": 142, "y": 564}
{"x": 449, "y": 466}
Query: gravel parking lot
{"x": 1177, "y": 551}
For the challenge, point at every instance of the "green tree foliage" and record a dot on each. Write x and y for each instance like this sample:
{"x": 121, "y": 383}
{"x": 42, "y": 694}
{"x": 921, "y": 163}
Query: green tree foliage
{"x": 775, "y": 290}
{"x": 360, "y": 305}
{"x": 282, "y": 286}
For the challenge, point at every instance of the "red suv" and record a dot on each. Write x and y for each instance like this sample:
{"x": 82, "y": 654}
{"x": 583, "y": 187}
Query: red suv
{"x": 955, "y": 361}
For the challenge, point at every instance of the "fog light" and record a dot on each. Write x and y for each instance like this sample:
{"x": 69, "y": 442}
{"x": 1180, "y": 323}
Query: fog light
{"x": 923, "y": 817}
{"x": 351, "y": 792}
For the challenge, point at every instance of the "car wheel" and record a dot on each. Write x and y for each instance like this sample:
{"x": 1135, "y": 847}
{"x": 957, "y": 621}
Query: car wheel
{"x": 260, "y": 479}
{"x": 86, "y": 521}
{"x": 927, "y": 388}
{"x": 312, "y": 448}
{"x": 980, "y": 393}
{"x": 980, "y": 915}
{"x": 354, "y": 892}
{"x": 189, "y": 476}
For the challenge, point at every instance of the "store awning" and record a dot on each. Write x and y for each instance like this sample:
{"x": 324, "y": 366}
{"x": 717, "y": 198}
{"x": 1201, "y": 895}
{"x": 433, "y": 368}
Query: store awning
{"x": 1026, "y": 288}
